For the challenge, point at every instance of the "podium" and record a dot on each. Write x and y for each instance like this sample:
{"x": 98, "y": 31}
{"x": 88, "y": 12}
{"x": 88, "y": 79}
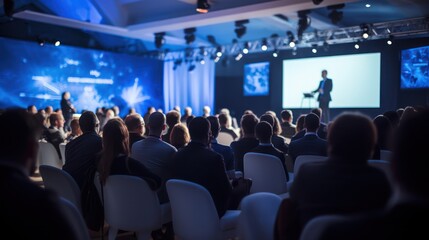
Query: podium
{"x": 307, "y": 96}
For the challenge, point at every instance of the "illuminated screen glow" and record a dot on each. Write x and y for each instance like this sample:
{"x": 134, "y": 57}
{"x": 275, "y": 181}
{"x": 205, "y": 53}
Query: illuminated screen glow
{"x": 35, "y": 75}
{"x": 415, "y": 68}
{"x": 356, "y": 81}
{"x": 256, "y": 79}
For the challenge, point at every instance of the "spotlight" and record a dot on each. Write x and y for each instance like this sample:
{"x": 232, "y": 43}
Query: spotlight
{"x": 57, "y": 43}
{"x": 238, "y": 57}
{"x": 291, "y": 39}
{"x": 365, "y": 31}
{"x": 191, "y": 67}
{"x": 203, "y": 6}
{"x": 240, "y": 29}
{"x": 41, "y": 42}
{"x": 159, "y": 39}
{"x": 357, "y": 46}
{"x": 390, "y": 40}
{"x": 303, "y": 23}
{"x": 317, "y": 2}
{"x": 264, "y": 46}
{"x": 202, "y": 61}
{"x": 276, "y": 53}
{"x": 246, "y": 48}
{"x": 219, "y": 51}
{"x": 314, "y": 49}
{"x": 189, "y": 35}
{"x": 334, "y": 15}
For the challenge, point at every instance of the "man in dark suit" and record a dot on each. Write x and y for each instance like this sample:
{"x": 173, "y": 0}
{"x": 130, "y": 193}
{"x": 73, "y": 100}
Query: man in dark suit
{"x": 264, "y": 132}
{"x": 288, "y": 128}
{"x": 27, "y": 210}
{"x": 81, "y": 152}
{"x": 324, "y": 90}
{"x": 197, "y": 163}
{"x": 136, "y": 127}
{"x": 310, "y": 143}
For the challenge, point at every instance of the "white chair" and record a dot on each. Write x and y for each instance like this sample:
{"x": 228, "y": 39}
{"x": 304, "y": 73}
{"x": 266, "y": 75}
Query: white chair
{"x": 317, "y": 225}
{"x": 63, "y": 152}
{"x": 130, "y": 205}
{"x": 225, "y": 138}
{"x": 194, "y": 213}
{"x": 48, "y": 155}
{"x": 385, "y": 155}
{"x": 266, "y": 172}
{"x": 75, "y": 217}
{"x": 62, "y": 183}
{"x": 258, "y": 216}
{"x": 303, "y": 159}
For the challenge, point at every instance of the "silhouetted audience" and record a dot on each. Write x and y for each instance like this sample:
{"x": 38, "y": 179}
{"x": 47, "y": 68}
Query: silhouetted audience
{"x": 55, "y": 134}
{"x": 136, "y": 127}
{"x": 179, "y": 136}
{"x": 288, "y": 128}
{"x": 225, "y": 125}
{"x": 384, "y": 135}
{"x": 278, "y": 141}
{"x": 187, "y": 113}
{"x": 172, "y": 118}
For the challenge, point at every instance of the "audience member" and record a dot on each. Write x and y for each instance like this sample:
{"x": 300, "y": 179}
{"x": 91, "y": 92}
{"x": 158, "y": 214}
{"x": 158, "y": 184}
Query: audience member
{"x": 403, "y": 217}
{"x": 32, "y": 109}
{"x": 225, "y": 125}
{"x": 247, "y": 141}
{"x": 409, "y": 111}
{"x": 234, "y": 123}
{"x": 225, "y": 151}
{"x": 300, "y": 130}
{"x": 288, "y": 128}
{"x": 55, "y": 134}
{"x": 264, "y": 133}
{"x": 393, "y": 117}
{"x": 278, "y": 141}
{"x": 189, "y": 119}
{"x": 310, "y": 143}
{"x": 81, "y": 153}
{"x": 136, "y": 127}
{"x": 179, "y": 136}
{"x": 27, "y": 210}
{"x": 344, "y": 184}
{"x": 197, "y": 163}
{"x": 206, "y": 111}
{"x": 75, "y": 130}
{"x": 322, "y": 131}
{"x": 187, "y": 113}
{"x": 48, "y": 110}
{"x": 109, "y": 114}
{"x": 384, "y": 135}
{"x": 172, "y": 118}
{"x": 149, "y": 111}
{"x": 400, "y": 111}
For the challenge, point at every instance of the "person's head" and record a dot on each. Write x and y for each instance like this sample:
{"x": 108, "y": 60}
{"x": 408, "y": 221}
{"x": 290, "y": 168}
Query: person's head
{"x": 410, "y": 163}
{"x": 277, "y": 129}
{"x": 156, "y": 123}
{"x": 384, "y": 131}
{"x": 199, "y": 129}
{"x": 177, "y": 108}
{"x": 409, "y": 111}
{"x": 206, "y": 111}
{"x": 393, "y": 117}
{"x": 300, "y": 122}
{"x": 188, "y": 111}
{"x": 89, "y": 122}
{"x": 65, "y": 95}
{"x": 287, "y": 116}
{"x": 135, "y": 123}
{"x": 32, "y": 109}
{"x": 248, "y": 111}
{"x": 151, "y": 110}
{"x": 225, "y": 120}
{"x": 214, "y": 125}
{"x": 352, "y": 137}
{"x": 311, "y": 122}
{"x": 18, "y": 142}
{"x": 75, "y": 128}
{"x": 263, "y": 132}
{"x": 400, "y": 111}
{"x": 115, "y": 142}
{"x": 248, "y": 123}
{"x": 56, "y": 120}
{"x": 172, "y": 118}
{"x": 267, "y": 118}
{"x": 324, "y": 74}
{"x": 317, "y": 111}
{"x": 179, "y": 136}
{"x": 225, "y": 110}
{"x": 110, "y": 114}
{"x": 48, "y": 110}
{"x": 189, "y": 119}
{"x": 116, "y": 110}
{"x": 131, "y": 110}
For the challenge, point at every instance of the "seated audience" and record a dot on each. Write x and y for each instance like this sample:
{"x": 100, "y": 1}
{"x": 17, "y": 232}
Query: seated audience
{"x": 187, "y": 113}
{"x": 288, "y": 128}
{"x": 384, "y": 135}
{"x": 75, "y": 130}
{"x": 225, "y": 125}
{"x": 278, "y": 141}
{"x": 55, "y": 134}
{"x": 248, "y": 140}
{"x": 264, "y": 132}
{"x": 300, "y": 130}
{"x": 136, "y": 127}
{"x": 28, "y": 211}
{"x": 393, "y": 117}
{"x": 172, "y": 118}
{"x": 322, "y": 131}
{"x": 310, "y": 143}
{"x": 197, "y": 163}
{"x": 179, "y": 136}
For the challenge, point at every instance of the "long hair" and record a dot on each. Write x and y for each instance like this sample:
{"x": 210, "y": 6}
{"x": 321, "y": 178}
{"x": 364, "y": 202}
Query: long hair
{"x": 115, "y": 142}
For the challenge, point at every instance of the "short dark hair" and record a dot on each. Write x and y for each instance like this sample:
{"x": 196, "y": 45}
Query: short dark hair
{"x": 214, "y": 125}
{"x": 286, "y": 114}
{"x": 199, "y": 128}
{"x": 300, "y": 122}
{"x": 88, "y": 121}
{"x": 267, "y": 118}
{"x": 311, "y": 122}
{"x": 263, "y": 131}
{"x": 172, "y": 118}
{"x": 156, "y": 121}
{"x": 317, "y": 111}
{"x": 248, "y": 123}
{"x": 352, "y": 137}
{"x": 223, "y": 119}
{"x": 134, "y": 121}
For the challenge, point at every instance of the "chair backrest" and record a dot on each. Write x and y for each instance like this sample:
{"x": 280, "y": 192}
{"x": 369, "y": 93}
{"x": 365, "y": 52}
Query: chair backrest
{"x": 193, "y": 211}
{"x": 258, "y": 216}
{"x": 317, "y": 225}
{"x": 75, "y": 217}
{"x": 266, "y": 172}
{"x": 48, "y": 155}
{"x": 303, "y": 159}
{"x": 61, "y": 182}
{"x": 130, "y": 204}
{"x": 63, "y": 152}
{"x": 384, "y": 166}
{"x": 225, "y": 138}
{"x": 385, "y": 155}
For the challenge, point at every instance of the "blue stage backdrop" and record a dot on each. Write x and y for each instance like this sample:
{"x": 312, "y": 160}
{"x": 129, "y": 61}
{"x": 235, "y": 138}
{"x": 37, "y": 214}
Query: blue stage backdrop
{"x": 32, "y": 74}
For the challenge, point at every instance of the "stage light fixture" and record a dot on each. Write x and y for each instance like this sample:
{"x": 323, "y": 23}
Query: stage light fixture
{"x": 335, "y": 15}
{"x": 276, "y": 53}
{"x": 202, "y": 6}
{"x": 390, "y": 40}
{"x": 291, "y": 39}
{"x": 304, "y": 22}
{"x": 238, "y": 57}
{"x": 264, "y": 46}
{"x": 365, "y": 31}
{"x": 246, "y": 48}
{"x": 240, "y": 29}
{"x": 57, "y": 43}
{"x": 219, "y": 51}
{"x": 314, "y": 48}
{"x": 317, "y": 2}
{"x": 190, "y": 35}
{"x": 159, "y": 39}
{"x": 41, "y": 42}
{"x": 357, "y": 46}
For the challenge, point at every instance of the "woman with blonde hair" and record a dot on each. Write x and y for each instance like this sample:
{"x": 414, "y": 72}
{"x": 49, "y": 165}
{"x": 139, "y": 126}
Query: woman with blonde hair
{"x": 179, "y": 136}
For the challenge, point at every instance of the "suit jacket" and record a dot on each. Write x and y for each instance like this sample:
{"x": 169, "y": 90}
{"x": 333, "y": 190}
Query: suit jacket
{"x": 320, "y": 132}
{"x": 272, "y": 151}
{"x": 279, "y": 142}
{"x": 309, "y": 144}
{"x": 327, "y": 88}
{"x": 288, "y": 129}
{"x": 81, "y": 154}
{"x": 197, "y": 163}
{"x": 338, "y": 186}
{"x": 226, "y": 152}
{"x": 29, "y": 211}
{"x": 241, "y": 147}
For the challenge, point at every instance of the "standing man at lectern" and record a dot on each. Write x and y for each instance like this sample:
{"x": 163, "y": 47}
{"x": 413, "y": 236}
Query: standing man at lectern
{"x": 324, "y": 90}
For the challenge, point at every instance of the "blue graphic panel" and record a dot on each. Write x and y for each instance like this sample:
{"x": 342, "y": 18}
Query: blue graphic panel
{"x": 415, "y": 68}
{"x": 256, "y": 79}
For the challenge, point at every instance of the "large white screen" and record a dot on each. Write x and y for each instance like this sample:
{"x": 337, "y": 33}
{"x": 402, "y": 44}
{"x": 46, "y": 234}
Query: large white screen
{"x": 356, "y": 80}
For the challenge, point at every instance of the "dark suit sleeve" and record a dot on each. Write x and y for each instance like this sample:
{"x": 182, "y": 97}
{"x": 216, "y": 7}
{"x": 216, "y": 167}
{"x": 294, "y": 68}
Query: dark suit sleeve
{"x": 328, "y": 86}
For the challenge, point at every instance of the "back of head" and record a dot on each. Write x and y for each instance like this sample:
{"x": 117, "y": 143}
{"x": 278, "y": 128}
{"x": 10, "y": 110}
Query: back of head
{"x": 134, "y": 122}
{"x": 384, "y": 130}
{"x": 179, "y": 136}
{"x": 276, "y": 124}
{"x": 351, "y": 137}
{"x": 267, "y": 118}
{"x": 223, "y": 119}
{"x": 248, "y": 123}
{"x": 225, "y": 110}
{"x": 18, "y": 129}
{"x": 53, "y": 118}
{"x": 410, "y": 161}
{"x": 300, "y": 122}
{"x": 393, "y": 117}
{"x": 263, "y": 132}
{"x": 214, "y": 125}
{"x": 115, "y": 137}
{"x": 88, "y": 122}
{"x": 286, "y": 115}
{"x": 156, "y": 122}
{"x": 317, "y": 111}
{"x": 172, "y": 118}
{"x": 199, "y": 129}
{"x": 311, "y": 122}
{"x": 74, "y": 124}
{"x": 189, "y": 119}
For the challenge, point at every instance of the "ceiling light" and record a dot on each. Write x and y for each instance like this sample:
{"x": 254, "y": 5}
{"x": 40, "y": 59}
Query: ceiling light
{"x": 292, "y": 44}
{"x": 246, "y": 48}
{"x": 238, "y": 57}
{"x": 190, "y": 35}
{"x": 202, "y": 61}
{"x": 57, "y": 43}
{"x": 219, "y": 51}
{"x": 314, "y": 49}
{"x": 368, "y": 5}
{"x": 203, "y": 6}
{"x": 291, "y": 39}
{"x": 159, "y": 39}
{"x": 357, "y": 46}
{"x": 276, "y": 53}
{"x": 264, "y": 46}
{"x": 303, "y": 23}
{"x": 41, "y": 42}
{"x": 317, "y": 2}
{"x": 390, "y": 40}
{"x": 365, "y": 31}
